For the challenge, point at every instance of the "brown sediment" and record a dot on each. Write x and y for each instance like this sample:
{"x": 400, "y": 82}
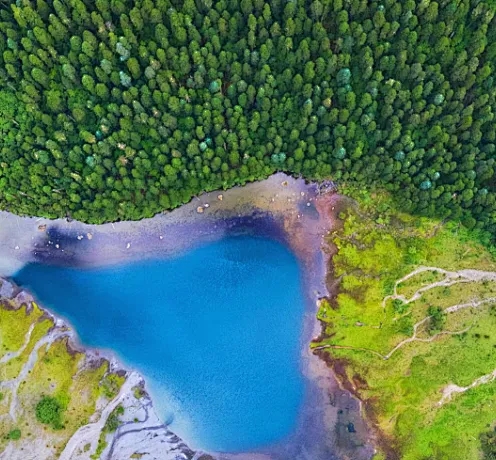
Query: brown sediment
{"x": 355, "y": 384}
{"x": 45, "y": 316}
{"x": 359, "y": 382}
{"x": 71, "y": 348}
{"x": 94, "y": 363}
{"x": 10, "y": 306}
{"x": 120, "y": 373}
{"x": 380, "y": 439}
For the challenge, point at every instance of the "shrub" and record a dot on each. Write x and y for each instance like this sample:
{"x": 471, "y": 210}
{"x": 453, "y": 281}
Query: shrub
{"x": 14, "y": 435}
{"x": 49, "y": 412}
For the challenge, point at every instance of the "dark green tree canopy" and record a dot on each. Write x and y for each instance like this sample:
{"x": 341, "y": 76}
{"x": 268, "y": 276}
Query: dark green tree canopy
{"x": 117, "y": 109}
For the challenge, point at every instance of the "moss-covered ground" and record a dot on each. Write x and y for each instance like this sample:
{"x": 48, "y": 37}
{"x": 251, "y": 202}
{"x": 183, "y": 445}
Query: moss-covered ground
{"x": 59, "y": 372}
{"x": 377, "y": 246}
{"x": 15, "y": 325}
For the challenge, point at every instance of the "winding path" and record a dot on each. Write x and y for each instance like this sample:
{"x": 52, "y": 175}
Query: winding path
{"x": 450, "y": 390}
{"x": 451, "y": 277}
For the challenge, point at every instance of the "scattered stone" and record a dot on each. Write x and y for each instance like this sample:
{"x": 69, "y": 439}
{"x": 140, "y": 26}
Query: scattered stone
{"x": 89, "y": 236}
{"x": 80, "y": 237}
{"x": 161, "y": 237}
{"x": 57, "y": 246}
{"x": 207, "y": 205}
{"x": 42, "y": 227}
{"x": 219, "y": 197}
{"x": 358, "y": 323}
{"x": 199, "y": 209}
{"x": 308, "y": 204}
{"x": 285, "y": 183}
{"x": 302, "y": 193}
{"x": 128, "y": 245}
{"x": 6, "y": 289}
{"x": 17, "y": 247}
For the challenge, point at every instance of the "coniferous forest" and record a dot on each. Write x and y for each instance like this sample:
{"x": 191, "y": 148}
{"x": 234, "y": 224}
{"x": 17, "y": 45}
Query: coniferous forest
{"x": 118, "y": 109}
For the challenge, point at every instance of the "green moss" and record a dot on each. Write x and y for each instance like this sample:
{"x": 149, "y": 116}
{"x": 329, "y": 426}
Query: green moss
{"x": 111, "y": 425}
{"x": 113, "y": 421}
{"x": 102, "y": 444}
{"x": 138, "y": 392}
{"x": 12, "y": 368}
{"x": 111, "y": 385}
{"x": 405, "y": 390}
{"x": 59, "y": 392}
{"x": 15, "y": 325}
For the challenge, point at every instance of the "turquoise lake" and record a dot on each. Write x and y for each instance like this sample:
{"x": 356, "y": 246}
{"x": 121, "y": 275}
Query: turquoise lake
{"x": 216, "y": 332}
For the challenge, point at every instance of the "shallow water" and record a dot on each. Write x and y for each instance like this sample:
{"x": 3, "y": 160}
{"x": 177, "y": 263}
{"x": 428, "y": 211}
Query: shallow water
{"x": 216, "y": 333}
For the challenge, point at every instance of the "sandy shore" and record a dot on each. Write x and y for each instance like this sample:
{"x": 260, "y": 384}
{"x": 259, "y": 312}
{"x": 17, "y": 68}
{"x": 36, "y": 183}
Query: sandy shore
{"x": 280, "y": 207}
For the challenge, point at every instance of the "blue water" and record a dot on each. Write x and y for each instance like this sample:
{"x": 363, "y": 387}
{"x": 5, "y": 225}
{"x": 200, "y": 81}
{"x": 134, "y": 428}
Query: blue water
{"x": 215, "y": 332}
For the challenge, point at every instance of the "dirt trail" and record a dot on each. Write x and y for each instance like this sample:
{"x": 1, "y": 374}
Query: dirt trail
{"x": 451, "y": 277}
{"x": 450, "y": 390}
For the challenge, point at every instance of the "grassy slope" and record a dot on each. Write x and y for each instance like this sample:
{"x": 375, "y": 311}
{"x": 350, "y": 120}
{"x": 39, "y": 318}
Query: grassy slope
{"x": 58, "y": 372}
{"x": 376, "y": 246}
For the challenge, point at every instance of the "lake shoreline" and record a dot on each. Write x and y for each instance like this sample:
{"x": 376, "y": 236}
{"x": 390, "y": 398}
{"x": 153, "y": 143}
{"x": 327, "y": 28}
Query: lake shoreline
{"x": 285, "y": 209}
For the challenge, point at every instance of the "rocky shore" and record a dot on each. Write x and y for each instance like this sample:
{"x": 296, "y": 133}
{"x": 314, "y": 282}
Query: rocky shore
{"x": 298, "y": 214}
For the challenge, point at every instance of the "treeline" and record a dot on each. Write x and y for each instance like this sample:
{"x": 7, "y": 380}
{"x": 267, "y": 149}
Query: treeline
{"x": 117, "y": 109}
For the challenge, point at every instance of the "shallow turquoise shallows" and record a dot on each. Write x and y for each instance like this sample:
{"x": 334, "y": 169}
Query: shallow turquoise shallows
{"x": 216, "y": 333}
